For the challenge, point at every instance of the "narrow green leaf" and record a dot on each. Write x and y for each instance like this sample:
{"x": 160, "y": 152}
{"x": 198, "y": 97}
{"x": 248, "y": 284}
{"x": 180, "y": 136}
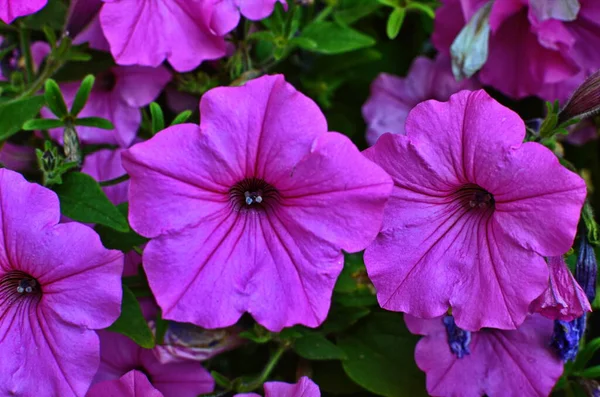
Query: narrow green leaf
{"x": 50, "y": 35}
{"x": 114, "y": 239}
{"x": 82, "y": 199}
{"x": 182, "y": 117}
{"x": 14, "y": 114}
{"x": 131, "y": 322}
{"x": 332, "y": 38}
{"x": 263, "y": 35}
{"x": 158, "y": 119}
{"x": 42, "y": 124}
{"x": 97, "y": 122}
{"x": 350, "y": 11}
{"x": 83, "y": 93}
{"x": 317, "y": 347}
{"x": 221, "y": 380}
{"x": 591, "y": 373}
{"x": 54, "y": 99}
{"x": 394, "y": 22}
{"x": 424, "y": 8}
{"x": 586, "y": 353}
{"x": 303, "y": 42}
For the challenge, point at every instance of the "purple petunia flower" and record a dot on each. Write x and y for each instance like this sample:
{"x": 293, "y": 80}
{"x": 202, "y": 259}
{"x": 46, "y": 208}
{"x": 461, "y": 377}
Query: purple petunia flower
{"x": 250, "y": 211}
{"x": 515, "y": 363}
{"x": 304, "y": 388}
{"x": 117, "y": 95}
{"x": 120, "y": 355}
{"x": 17, "y": 157}
{"x": 533, "y": 44}
{"x": 563, "y": 299}
{"x": 393, "y": 97}
{"x": 226, "y": 13}
{"x": 57, "y": 284}
{"x": 133, "y": 384}
{"x": 472, "y": 214}
{"x": 12, "y": 9}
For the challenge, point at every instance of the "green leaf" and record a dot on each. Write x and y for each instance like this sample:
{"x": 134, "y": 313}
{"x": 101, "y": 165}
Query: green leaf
{"x": 331, "y": 378}
{"x": 83, "y": 93}
{"x": 158, "y": 119}
{"x": 340, "y": 318}
{"x": 394, "y": 22}
{"x": 317, "y": 347}
{"x": 182, "y": 117}
{"x": 591, "y": 373}
{"x": 586, "y": 353}
{"x": 263, "y": 35}
{"x": 52, "y": 15}
{"x": 350, "y": 11}
{"x": 54, "y": 99}
{"x": 42, "y": 124}
{"x": 332, "y": 38}
{"x": 97, "y": 122}
{"x": 380, "y": 354}
{"x": 303, "y": 42}
{"x": 257, "y": 334}
{"x": 82, "y": 199}
{"x": 114, "y": 239}
{"x": 131, "y": 322}
{"x": 221, "y": 380}
{"x": 14, "y": 114}
{"x": 423, "y": 8}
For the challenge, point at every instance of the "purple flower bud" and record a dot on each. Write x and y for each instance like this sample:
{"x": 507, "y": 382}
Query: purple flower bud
{"x": 586, "y": 268}
{"x": 566, "y": 338}
{"x": 458, "y": 339}
{"x": 585, "y": 101}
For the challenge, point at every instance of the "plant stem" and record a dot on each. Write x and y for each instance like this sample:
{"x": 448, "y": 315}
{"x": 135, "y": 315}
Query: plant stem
{"x": 258, "y": 382}
{"x": 115, "y": 181}
{"x": 25, "y": 42}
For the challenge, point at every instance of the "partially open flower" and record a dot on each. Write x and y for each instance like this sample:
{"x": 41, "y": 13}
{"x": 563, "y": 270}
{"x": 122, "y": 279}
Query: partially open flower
{"x": 585, "y": 101}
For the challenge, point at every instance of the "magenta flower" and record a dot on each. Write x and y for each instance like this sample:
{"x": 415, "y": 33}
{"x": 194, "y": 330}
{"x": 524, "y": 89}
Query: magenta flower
{"x": 563, "y": 299}
{"x": 57, "y": 284}
{"x": 132, "y": 384}
{"x": 226, "y": 13}
{"x": 304, "y": 388}
{"x": 12, "y": 9}
{"x": 117, "y": 96}
{"x": 146, "y": 32}
{"x": 260, "y": 199}
{"x": 472, "y": 214}
{"x": 516, "y": 363}
{"x": 120, "y": 355}
{"x": 393, "y": 97}
{"x": 532, "y": 45}
{"x": 17, "y": 157}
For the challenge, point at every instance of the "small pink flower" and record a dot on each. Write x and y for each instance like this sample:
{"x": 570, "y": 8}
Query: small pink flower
{"x": 118, "y": 95}
{"x": 259, "y": 200}
{"x": 57, "y": 285}
{"x": 304, "y": 388}
{"x": 132, "y": 384}
{"x": 146, "y": 32}
{"x": 12, "y": 9}
{"x": 121, "y": 355}
{"x": 393, "y": 97}
{"x": 563, "y": 299}
{"x": 517, "y": 363}
{"x": 472, "y": 214}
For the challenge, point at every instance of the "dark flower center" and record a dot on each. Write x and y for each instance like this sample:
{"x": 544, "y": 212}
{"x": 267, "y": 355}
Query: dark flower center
{"x": 476, "y": 198}
{"x": 253, "y": 194}
{"x": 18, "y": 289}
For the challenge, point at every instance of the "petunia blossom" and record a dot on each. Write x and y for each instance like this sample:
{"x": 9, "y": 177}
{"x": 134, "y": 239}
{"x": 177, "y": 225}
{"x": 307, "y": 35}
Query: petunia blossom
{"x": 133, "y": 384}
{"x": 118, "y": 95}
{"x": 120, "y": 355}
{"x": 57, "y": 285}
{"x": 226, "y": 13}
{"x": 305, "y": 387}
{"x": 146, "y": 32}
{"x": 260, "y": 200}
{"x": 393, "y": 97}
{"x": 563, "y": 299}
{"x": 515, "y": 363}
{"x": 472, "y": 214}
{"x": 533, "y": 44}
{"x": 12, "y": 9}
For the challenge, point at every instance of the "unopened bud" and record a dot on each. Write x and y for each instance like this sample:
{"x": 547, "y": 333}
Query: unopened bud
{"x": 458, "y": 338}
{"x": 587, "y": 268}
{"x": 566, "y": 338}
{"x": 585, "y": 101}
{"x": 469, "y": 49}
{"x": 72, "y": 146}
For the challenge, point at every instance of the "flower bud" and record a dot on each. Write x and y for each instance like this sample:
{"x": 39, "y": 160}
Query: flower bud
{"x": 587, "y": 267}
{"x": 585, "y": 101}
{"x": 566, "y": 337}
{"x": 469, "y": 49}
{"x": 458, "y": 339}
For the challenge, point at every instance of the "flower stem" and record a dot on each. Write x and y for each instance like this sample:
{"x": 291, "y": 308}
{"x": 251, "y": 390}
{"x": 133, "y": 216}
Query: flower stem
{"x": 115, "y": 181}
{"x": 258, "y": 382}
{"x": 25, "y": 42}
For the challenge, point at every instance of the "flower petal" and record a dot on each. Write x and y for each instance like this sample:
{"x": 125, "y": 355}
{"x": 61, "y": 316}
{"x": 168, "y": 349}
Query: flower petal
{"x": 304, "y": 388}
{"x": 132, "y": 384}
{"x": 11, "y": 9}
{"x": 140, "y": 85}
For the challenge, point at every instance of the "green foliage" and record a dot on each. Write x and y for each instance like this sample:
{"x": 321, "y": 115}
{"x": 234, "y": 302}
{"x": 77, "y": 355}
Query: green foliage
{"x": 97, "y": 122}
{"x": 15, "y": 113}
{"x": 54, "y": 99}
{"x": 82, "y": 95}
{"x": 395, "y": 21}
{"x": 332, "y": 38}
{"x": 131, "y": 322}
{"x": 122, "y": 241}
{"x": 317, "y": 347}
{"x": 158, "y": 119}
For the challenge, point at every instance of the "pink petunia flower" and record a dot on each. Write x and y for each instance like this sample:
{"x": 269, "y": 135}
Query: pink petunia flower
{"x": 250, "y": 211}
{"x": 117, "y": 95}
{"x": 516, "y": 363}
{"x": 146, "y": 32}
{"x": 120, "y": 355}
{"x": 226, "y": 13}
{"x": 532, "y": 46}
{"x": 563, "y": 299}
{"x": 472, "y": 214}
{"x": 304, "y": 388}
{"x": 12, "y": 9}
{"x": 57, "y": 285}
{"x": 393, "y": 97}
{"x": 133, "y": 384}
